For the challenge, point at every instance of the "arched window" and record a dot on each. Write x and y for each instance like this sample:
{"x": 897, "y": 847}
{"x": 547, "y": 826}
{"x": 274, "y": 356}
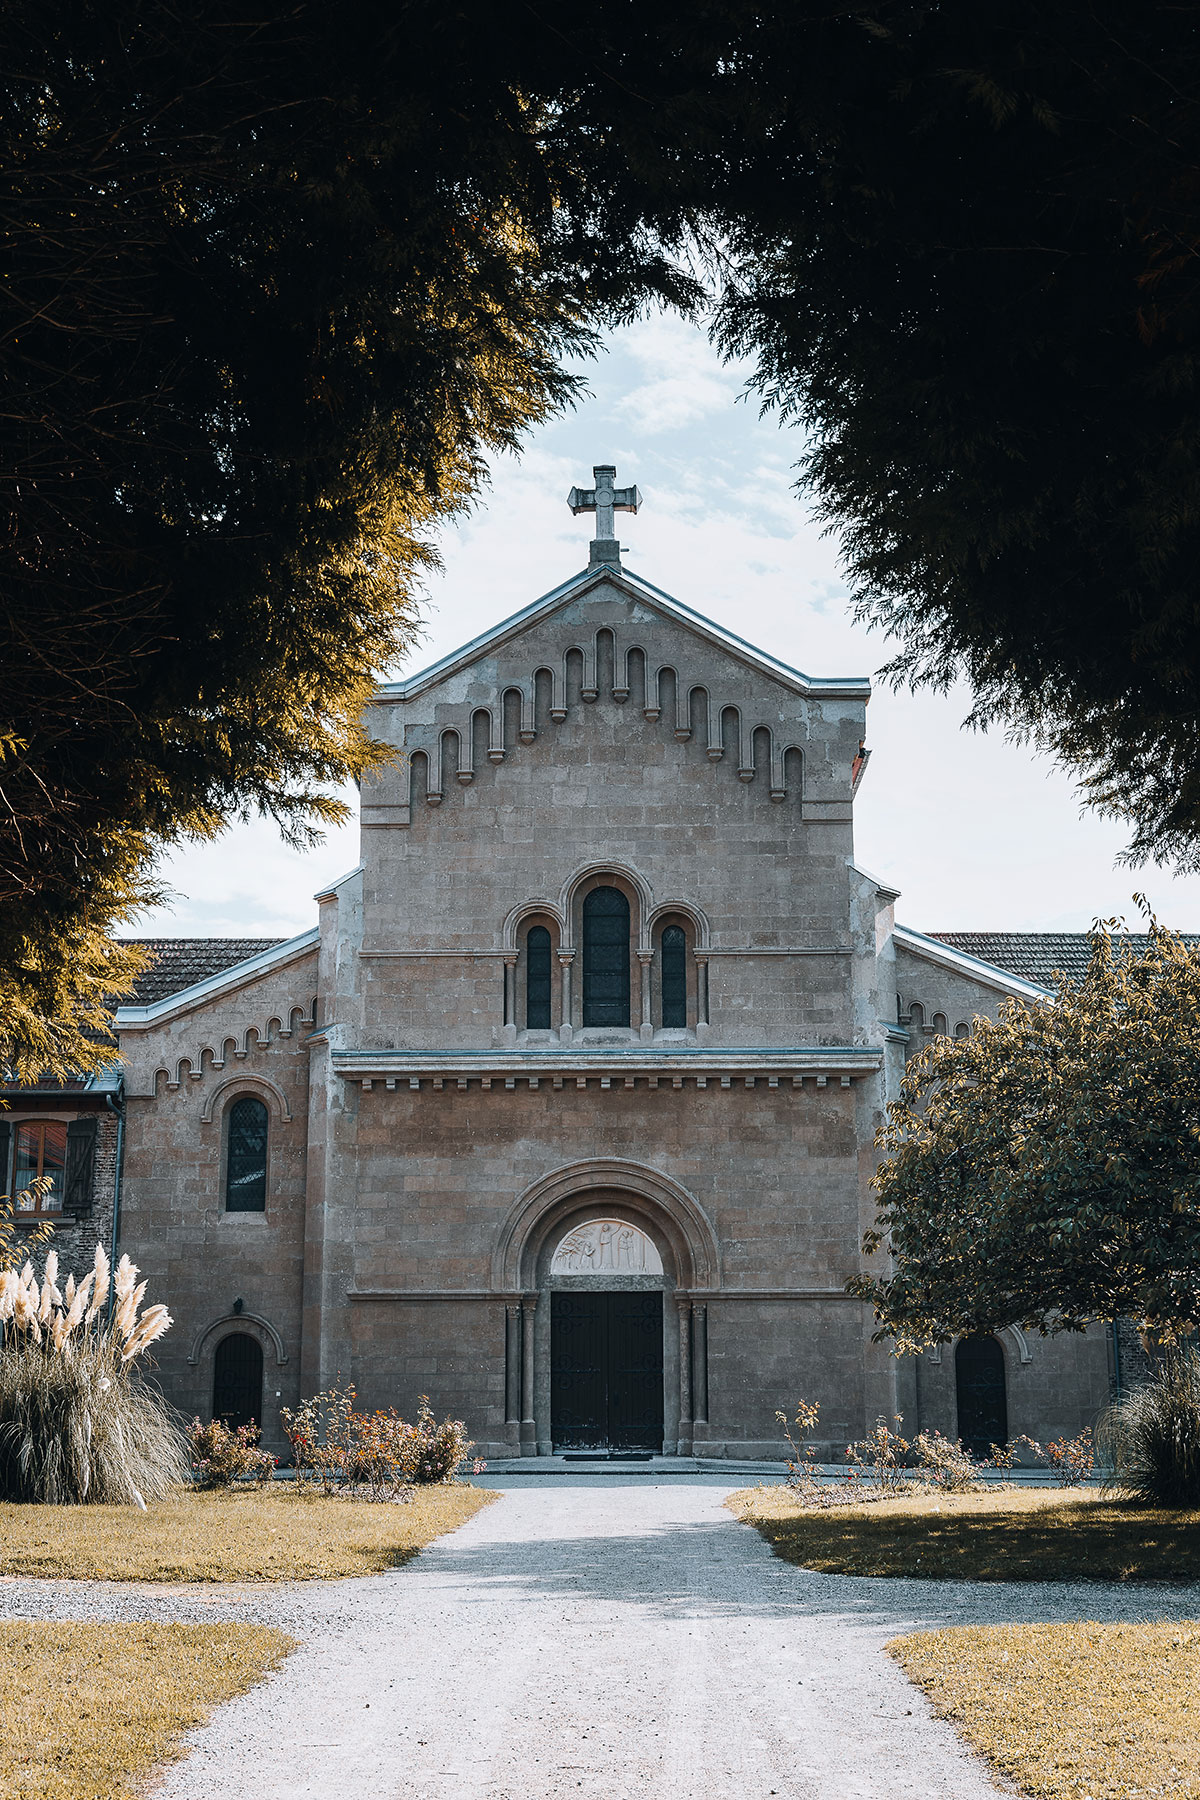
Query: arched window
{"x": 537, "y": 979}
{"x": 982, "y": 1399}
{"x": 238, "y": 1380}
{"x": 674, "y": 978}
{"x": 606, "y": 957}
{"x": 246, "y": 1156}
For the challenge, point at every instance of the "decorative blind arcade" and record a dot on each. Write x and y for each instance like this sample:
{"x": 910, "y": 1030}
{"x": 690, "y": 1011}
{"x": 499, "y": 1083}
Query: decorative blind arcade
{"x": 606, "y": 957}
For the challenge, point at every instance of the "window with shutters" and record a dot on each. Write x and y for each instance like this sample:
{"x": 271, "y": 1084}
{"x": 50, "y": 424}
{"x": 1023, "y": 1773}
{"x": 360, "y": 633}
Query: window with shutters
{"x": 39, "y": 1155}
{"x": 538, "y": 986}
{"x": 246, "y": 1156}
{"x": 606, "y": 957}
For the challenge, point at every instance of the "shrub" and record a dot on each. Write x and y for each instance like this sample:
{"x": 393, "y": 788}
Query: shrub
{"x": 882, "y": 1452}
{"x": 1152, "y": 1435}
{"x": 802, "y": 1460}
{"x": 333, "y": 1445}
{"x": 943, "y": 1463}
{"x": 1070, "y": 1460}
{"x": 222, "y": 1454}
{"x": 76, "y": 1423}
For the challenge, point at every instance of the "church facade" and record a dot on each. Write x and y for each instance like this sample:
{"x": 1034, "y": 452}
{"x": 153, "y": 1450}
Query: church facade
{"x": 563, "y": 1114}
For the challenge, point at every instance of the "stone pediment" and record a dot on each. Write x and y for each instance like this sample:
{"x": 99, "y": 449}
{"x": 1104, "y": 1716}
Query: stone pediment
{"x": 603, "y": 635}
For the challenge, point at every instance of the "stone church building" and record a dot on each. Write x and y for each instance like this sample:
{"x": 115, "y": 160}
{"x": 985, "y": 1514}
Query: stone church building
{"x": 563, "y": 1111}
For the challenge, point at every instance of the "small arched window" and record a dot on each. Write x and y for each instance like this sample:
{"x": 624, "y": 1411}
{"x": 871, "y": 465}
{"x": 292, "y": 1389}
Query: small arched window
{"x": 238, "y": 1380}
{"x": 674, "y": 978}
{"x": 537, "y": 979}
{"x": 246, "y": 1156}
{"x": 606, "y": 957}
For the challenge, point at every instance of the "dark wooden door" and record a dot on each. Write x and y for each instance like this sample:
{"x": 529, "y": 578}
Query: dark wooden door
{"x": 606, "y": 1371}
{"x": 238, "y": 1380}
{"x": 982, "y": 1400}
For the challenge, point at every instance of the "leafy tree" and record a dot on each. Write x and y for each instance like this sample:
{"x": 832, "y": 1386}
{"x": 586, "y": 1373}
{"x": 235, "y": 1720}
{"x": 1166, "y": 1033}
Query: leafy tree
{"x": 1045, "y": 1171}
{"x": 965, "y": 255}
{"x": 276, "y": 285}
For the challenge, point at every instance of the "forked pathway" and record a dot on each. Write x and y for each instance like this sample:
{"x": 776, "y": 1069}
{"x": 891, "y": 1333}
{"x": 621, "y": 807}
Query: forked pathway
{"x": 608, "y": 1642}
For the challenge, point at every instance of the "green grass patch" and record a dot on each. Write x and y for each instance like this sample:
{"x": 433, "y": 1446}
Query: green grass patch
{"x": 1070, "y": 1711}
{"x": 268, "y": 1534}
{"x": 87, "y": 1712}
{"x": 1026, "y": 1534}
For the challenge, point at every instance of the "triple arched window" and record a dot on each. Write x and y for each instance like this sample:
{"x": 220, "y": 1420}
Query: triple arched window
{"x": 596, "y": 984}
{"x": 246, "y": 1156}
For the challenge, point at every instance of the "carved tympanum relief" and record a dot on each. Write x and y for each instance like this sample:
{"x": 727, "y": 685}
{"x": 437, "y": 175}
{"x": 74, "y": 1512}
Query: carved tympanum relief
{"x": 606, "y": 1246}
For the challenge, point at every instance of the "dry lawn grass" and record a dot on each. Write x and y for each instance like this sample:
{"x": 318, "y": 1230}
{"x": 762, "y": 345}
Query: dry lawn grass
{"x": 88, "y": 1711}
{"x": 271, "y": 1534}
{"x": 1071, "y": 1711}
{"x": 1024, "y": 1534}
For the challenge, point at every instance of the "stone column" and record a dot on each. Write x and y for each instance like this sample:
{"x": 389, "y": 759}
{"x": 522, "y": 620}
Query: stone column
{"x": 528, "y": 1424}
{"x": 512, "y": 1377}
{"x": 701, "y": 987}
{"x": 510, "y": 997}
{"x": 565, "y": 959}
{"x": 684, "y": 1445}
{"x": 700, "y": 1364}
{"x": 646, "y": 958}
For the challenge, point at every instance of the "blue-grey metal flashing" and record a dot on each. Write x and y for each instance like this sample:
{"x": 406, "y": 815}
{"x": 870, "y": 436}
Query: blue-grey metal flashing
{"x": 934, "y": 951}
{"x": 140, "y": 1018}
{"x": 849, "y": 687}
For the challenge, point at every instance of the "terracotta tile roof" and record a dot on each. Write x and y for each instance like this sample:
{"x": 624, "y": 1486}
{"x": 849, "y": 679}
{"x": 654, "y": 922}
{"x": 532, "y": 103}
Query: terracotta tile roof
{"x": 179, "y": 962}
{"x": 1038, "y": 955}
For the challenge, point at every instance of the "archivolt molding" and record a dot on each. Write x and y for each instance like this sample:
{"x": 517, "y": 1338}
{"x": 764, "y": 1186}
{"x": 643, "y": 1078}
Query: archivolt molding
{"x": 248, "y": 1084}
{"x": 694, "y": 913}
{"x": 232, "y": 1048}
{"x": 1020, "y": 1343}
{"x": 545, "y": 909}
{"x": 238, "y": 1320}
{"x": 667, "y": 1209}
{"x": 623, "y": 872}
{"x": 451, "y": 752}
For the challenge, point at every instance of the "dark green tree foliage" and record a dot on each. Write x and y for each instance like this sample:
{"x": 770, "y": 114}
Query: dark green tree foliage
{"x": 275, "y": 287}
{"x": 1045, "y": 1171}
{"x": 965, "y": 255}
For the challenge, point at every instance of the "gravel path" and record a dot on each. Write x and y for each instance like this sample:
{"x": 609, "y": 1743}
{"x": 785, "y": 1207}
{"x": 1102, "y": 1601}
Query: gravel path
{"x": 586, "y": 1639}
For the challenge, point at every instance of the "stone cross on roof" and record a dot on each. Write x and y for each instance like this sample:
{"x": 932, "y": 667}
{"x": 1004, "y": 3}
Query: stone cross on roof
{"x": 604, "y": 500}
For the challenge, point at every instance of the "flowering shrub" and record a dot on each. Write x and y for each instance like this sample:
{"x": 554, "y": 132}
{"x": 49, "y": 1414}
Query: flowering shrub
{"x": 222, "y": 1454}
{"x": 75, "y": 1422}
{"x": 802, "y": 1461}
{"x": 882, "y": 1452}
{"x": 335, "y": 1446}
{"x": 943, "y": 1463}
{"x": 1070, "y": 1460}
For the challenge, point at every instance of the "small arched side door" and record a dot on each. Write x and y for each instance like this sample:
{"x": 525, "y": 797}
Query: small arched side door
{"x": 238, "y": 1380}
{"x": 982, "y": 1394}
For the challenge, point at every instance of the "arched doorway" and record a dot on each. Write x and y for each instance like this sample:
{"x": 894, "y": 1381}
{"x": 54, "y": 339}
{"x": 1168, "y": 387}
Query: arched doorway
{"x": 238, "y": 1380}
{"x": 982, "y": 1395}
{"x": 606, "y": 1338}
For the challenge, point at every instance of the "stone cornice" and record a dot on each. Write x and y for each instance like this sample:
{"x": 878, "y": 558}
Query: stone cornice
{"x": 557, "y": 1068}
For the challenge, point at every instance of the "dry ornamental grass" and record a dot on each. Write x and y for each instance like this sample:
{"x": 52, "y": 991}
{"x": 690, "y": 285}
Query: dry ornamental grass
{"x": 272, "y": 1534}
{"x": 1071, "y": 1712}
{"x": 88, "y": 1711}
{"x": 1025, "y": 1534}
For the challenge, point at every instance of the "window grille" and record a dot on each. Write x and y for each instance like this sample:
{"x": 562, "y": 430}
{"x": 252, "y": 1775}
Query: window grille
{"x": 606, "y": 957}
{"x": 674, "y": 978}
{"x": 537, "y": 979}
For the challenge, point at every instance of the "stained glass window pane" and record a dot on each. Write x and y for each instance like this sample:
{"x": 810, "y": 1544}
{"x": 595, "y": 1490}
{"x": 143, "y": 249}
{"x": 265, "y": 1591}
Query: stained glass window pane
{"x": 606, "y": 957}
{"x": 674, "y": 978}
{"x": 537, "y": 979}
{"x": 246, "y": 1165}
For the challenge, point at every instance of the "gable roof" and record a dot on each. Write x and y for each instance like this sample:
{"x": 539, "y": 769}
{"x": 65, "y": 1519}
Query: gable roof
{"x": 224, "y": 974}
{"x": 183, "y": 962}
{"x": 1037, "y": 956}
{"x": 848, "y": 687}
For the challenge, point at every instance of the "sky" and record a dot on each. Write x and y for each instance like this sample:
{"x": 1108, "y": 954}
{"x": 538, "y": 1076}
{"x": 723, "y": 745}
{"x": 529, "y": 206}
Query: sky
{"x": 976, "y": 832}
